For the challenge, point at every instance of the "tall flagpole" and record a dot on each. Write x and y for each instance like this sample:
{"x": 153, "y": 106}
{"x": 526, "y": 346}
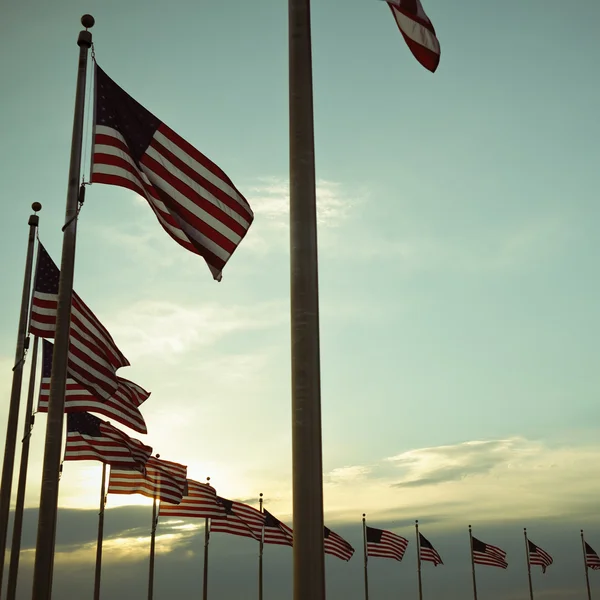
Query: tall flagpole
{"x": 206, "y": 541}
{"x": 15, "y": 549}
{"x": 15, "y": 392}
{"x": 98, "y": 571}
{"x": 528, "y": 563}
{"x": 366, "y": 557}
{"x": 260, "y": 552}
{"x": 307, "y": 460}
{"x": 152, "y": 546}
{"x": 585, "y": 566}
{"x": 473, "y": 564}
{"x": 46, "y": 535}
{"x": 419, "y": 560}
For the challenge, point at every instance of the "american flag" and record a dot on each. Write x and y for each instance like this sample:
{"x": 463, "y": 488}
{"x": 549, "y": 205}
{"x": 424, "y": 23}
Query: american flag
{"x": 239, "y": 519}
{"x": 89, "y": 438}
{"x": 162, "y": 479}
{"x": 418, "y": 31}
{"x": 336, "y": 545}
{"x": 277, "y": 532}
{"x": 93, "y": 355}
{"x": 428, "y": 552}
{"x": 538, "y": 557}
{"x": 385, "y": 544}
{"x": 200, "y": 502}
{"x": 486, "y": 554}
{"x": 592, "y": 560}
{"x": 192, "y": 198}
{"x": 122, "y": 407}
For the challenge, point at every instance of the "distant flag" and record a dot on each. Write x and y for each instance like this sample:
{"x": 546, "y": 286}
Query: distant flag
{"x": 428, "y": 552}
{"x": 277, "y": 532}
{"x": 161, "y": 479}
{"x": 385, "y": 544}
{"x": 537, "y": 556}
{"x": 486, "y": 554}
{"x": 193, "y": 199}
{"x": 418, "y": 31}
{"x": 592, "y": 560}
{"x": 122, "y": 407}
{"x": 89, "y": 438}
{"x": 93, "y": 357}
{"x": 239, "y": 519}
{"x": 200, "y": 502}
{"x": 336, "y": 545}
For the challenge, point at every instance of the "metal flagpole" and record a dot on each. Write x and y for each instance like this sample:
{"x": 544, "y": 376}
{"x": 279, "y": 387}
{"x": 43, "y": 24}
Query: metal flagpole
{"x": 46, "y": 535}
{"x": 15, "y": 549}
{"x": 307, "y": 461}
{"x": 98, "y": 571}
{"x": 260, "y": 552}
{"x": 587, "y": 575}
{"x": 366, "y": 557}
{"x": 152, "y": 546}
{"x": 419, "y": 561}
{"x": 15, "y": 392}
{"x": 528, "y": 563}
{"x": 206, "y": 541}
{"x": 473, "y": 564}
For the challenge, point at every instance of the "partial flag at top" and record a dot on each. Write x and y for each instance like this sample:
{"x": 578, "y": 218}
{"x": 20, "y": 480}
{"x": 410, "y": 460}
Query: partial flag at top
{"x": 418, "y": 31}
{"x": 539, "y": 557}
{"x": 193, "y": 199}
{"x": 592, "y": 560}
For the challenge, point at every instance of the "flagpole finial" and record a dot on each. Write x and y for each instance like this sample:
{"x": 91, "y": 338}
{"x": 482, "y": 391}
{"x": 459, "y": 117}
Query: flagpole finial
{"x": 157, "y": 455}
{"x": 208, "y": 479}
{"x": 260, "y": 494}
{"x": 36, "y": 207}
{"x": 364, "y": 515}
{"x": 88, "y": 21}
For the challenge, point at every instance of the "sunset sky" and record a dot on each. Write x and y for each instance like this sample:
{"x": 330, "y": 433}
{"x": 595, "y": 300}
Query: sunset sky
{"x": 459, "y": 284}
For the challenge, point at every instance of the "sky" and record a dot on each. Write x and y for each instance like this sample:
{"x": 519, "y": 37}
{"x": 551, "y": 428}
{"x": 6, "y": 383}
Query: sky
{"x": 458, "y": 290}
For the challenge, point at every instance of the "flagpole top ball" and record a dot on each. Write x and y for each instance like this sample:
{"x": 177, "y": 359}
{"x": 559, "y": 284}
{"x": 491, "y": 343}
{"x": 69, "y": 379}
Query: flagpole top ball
{"x": 87, "y": 21}
{"x": 36, "y": 207}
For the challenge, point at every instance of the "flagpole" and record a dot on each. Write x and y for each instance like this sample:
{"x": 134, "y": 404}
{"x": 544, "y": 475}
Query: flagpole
{"x": 307, "y": 461}
{"x": 46, "y": 535}
{"x": 587, "y": 575}
{"x": 152, "y": 546}
{"x": 528, "y": 563}
{"x": 206, "y": 541}
{"x": 473, "y": 564}
{"x": 366, "y": 557}
{"x": 419, "y": 561}
{"x": 12, "y": 423}
{"x": 260, "y": 552}
{"x": 15, "y": 549}
{"x": 98, "y": 571}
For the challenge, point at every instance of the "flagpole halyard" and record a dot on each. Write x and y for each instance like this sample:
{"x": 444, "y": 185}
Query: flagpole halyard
{"x": 46, "y": 535}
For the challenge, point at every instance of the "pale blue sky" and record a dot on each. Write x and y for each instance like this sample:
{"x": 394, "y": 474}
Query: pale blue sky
{"x": 458, "y": 249}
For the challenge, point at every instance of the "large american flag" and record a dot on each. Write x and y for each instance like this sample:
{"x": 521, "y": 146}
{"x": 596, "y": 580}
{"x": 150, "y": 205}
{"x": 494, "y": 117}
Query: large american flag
{"x": 192, "y": 198}
{"x": 93, "y": 355}
{"x": 336, "y": 545}
{"x": 277, "y": 532}
{"x": 538, "y": 557}
{"x": 486, "y": 554}
{"x": 239, "y": 519}
{"x": 592, "y": 560}
{"x": 385, "y": 544}
{"x": 89, "y": 438}
{"x": 418, "y": 31}
{"x": 122, "y": 407}
{"x": 428, "y": 552}
{"x": 162, "y": 479}
{"x": 200, "y": 502}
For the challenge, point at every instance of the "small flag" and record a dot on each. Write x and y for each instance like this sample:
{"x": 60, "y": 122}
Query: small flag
{"x": 539, "y": 557}
{"x": 428, "y": 552}
{"x": 122, "y": 407}
{"x": 418, "y": 31}
{"x": 89, "y": 438}
{"x": 592, "y": 560}
{"x": 200, "y": 502}
{"x": 192, "y": 198}
{"x": 162, "y": 479}
{"x": 336, "y": 545}
{"x": 239, "y": 519}
{"x": 93, "y": 355}
{"x": 277, "y": 532}
{"x": 486, "y": 554}
{"x": 385, "y": 544}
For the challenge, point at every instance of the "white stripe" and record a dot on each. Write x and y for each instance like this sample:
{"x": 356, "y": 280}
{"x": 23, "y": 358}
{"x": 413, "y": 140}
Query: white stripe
{"x": 416, "y": 32}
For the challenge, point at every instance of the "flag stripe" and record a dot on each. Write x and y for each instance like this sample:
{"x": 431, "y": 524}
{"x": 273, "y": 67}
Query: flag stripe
{"x": 277, "y": 532}
{"x": 486, "y": 554}
{"x": 538, "y": 557}
{"x": 336, "y": 545}
{"x": 200, "y": 502}
{"x": 389, "y": 545}
{"x": 592, "y": 560}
